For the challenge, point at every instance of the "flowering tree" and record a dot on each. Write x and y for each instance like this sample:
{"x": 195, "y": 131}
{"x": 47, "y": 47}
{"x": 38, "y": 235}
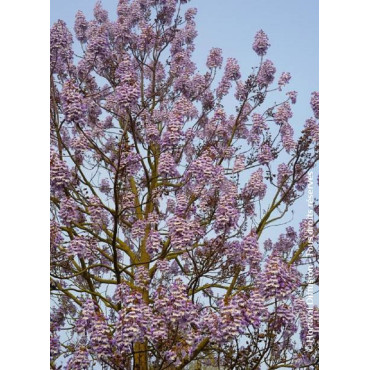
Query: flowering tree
{"x": 161, "y": 201}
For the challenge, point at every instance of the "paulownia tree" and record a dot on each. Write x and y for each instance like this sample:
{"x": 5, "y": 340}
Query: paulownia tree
{"x": 162, "y": 202}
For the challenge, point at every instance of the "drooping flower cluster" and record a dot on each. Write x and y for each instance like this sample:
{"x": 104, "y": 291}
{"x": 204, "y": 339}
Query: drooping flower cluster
{"x": 253, "y": 253}
{"x": 153, "y": 243}
{"x": 203, "y": 169}
{"x": 93, "y": 328}
{"x": 132, "y": 320}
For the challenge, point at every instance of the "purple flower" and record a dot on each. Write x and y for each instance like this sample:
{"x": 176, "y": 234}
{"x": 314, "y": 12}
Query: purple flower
{"x": 315, "y": 103}
{"x": 61, "y": 54}
{"x": 284, "y": 79}
{"x": 69, "y": 211}
{"x": 100, "y": 14}
{"x": 283, "y": 114}
{"x": 311, "y": 128}
{"x": 261, "y": 43}
{"x": 265, "y": 155}
{"x": 214, "y": 59}
{"x": 239, "y": 163}
{"x": 292, "y": 96}
{"x": 287, "y": 139}
{"x": 73, "y": 102}
{"x": 60, "y": 176}
{"x": 80, "y": 26}
{"x": 153, "y": 243}
{"x": 266, "y": 74}
{"x": 255, "y": 186}
{"x": 167, "y": 165}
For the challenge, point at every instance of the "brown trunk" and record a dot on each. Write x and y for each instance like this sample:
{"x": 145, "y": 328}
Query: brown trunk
{"x": 140, "y": 356}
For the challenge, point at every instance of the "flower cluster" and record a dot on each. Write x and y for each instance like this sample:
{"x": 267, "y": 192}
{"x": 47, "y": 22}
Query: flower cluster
{"x": 227, "y": 214}
{"x": 253, "y": 254}
{"x": 278, "y": 280}
{"x": 80, "y": 359}
{"x": 292, "y": 96}
{"x": 61, "y": 54}
{"x": 286, "y": 241}
{"x": 266, "y": 73}
{"x": 214, "y": 59}
{"x": 133, "y": 318}
{"x": 100, "y": 14}
{"x": 255, "y": 186}
{"x": 239, "y": 163}
{"x": 287, "y": 138}
{"x": 258, "y": 127}
{"x": 284, "y": 79}
{"x": 69, "y": 211}
{"x": 265, "y": 155}
{"x": 80, "y": 26}
{"x": 261, "y": 43}
{"x": 60, "y": 176}
{"x": 74, "y": 106}
{"x": 153, "y": 243}
{"x": 315, "y": 103}
{"x": 182, "y": 232}
{"x": 311, "y": 127}
{"x": 202, "y": 169}
{"x": 167, "y": 165}
{"x": 127, "y": 92}
{"x": 138, "y": 229}
{"x": 283, "y": 114}
{"x": 98, "y": 214}
{"x": 232, "y": 73}
{"x": 82, "y": 246}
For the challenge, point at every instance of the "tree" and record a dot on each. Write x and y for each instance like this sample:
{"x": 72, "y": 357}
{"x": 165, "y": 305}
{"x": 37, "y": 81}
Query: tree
{"x": 162, "y": 202}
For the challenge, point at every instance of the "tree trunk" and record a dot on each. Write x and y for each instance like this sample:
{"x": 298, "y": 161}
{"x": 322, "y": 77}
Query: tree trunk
{"x": 141, "y": 356}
